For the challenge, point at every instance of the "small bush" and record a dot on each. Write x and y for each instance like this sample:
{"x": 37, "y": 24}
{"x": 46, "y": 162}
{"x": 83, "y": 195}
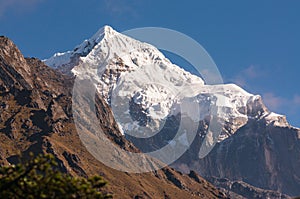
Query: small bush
{"x": 40, "y": 178}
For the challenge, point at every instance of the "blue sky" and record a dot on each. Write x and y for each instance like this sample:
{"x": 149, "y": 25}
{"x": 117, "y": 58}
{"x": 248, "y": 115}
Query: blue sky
{"x": 254, "y": 43}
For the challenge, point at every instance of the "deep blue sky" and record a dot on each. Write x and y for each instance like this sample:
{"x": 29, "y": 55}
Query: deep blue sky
{"x": 254, "y": 43}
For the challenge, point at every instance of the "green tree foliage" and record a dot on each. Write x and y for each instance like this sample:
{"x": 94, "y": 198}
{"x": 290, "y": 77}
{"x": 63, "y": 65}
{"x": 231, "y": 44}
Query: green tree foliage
{"x": 40, "y": 178}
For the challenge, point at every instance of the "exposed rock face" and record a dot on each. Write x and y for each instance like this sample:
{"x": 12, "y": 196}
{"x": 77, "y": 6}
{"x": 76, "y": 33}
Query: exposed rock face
{"x": 36, "y": 116}
{"x": 239, "y": 189}
{"x": 259, "y": 153}
{"x": 14, "y": 71}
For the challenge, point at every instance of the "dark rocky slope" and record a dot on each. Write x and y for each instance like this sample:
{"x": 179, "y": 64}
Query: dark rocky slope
{"x": 259, "y": 154}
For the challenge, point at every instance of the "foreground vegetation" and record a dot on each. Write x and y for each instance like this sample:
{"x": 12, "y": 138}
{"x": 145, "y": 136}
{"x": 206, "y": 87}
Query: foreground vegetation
{"x": 40, "y": 177}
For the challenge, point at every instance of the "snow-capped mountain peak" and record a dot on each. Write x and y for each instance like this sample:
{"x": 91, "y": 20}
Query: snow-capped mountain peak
{"x": 83, "y": 49}
{"x": 148, "y": 88}
{"x": 102, "y": 32}
{"x": 87, "y": 45}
